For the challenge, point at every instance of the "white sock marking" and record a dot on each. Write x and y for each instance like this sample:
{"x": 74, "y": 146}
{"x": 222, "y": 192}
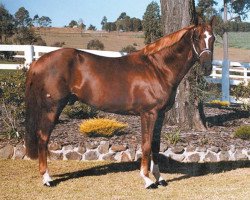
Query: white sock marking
{"x": 155, "y": 171}
{"x": 208, "y": 36}
{"x": 147, "y": 180}
{"x": 46, "y": 178}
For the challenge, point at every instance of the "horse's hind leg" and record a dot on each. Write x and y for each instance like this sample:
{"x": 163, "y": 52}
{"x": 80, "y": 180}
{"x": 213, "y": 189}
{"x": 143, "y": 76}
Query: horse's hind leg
{"x": 49, "y": 117}
{"x": 154, "y": 167}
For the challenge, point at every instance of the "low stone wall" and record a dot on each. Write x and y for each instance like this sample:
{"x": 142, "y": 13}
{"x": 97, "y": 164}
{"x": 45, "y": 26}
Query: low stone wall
{"x": 130, "y": 152}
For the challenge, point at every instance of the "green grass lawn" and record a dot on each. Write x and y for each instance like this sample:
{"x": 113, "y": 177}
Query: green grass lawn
{"x": 103, "y": 180}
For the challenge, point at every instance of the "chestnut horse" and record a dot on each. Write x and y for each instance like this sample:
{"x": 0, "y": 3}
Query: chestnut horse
{"x": 142, "y": 83}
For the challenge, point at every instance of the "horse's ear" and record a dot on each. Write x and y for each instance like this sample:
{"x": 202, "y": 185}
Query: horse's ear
{"x": 213, "y": 21}
{"x": 199, "y": 20}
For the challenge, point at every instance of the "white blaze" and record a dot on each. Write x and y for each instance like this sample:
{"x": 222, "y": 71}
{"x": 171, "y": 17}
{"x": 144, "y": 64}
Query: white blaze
{"x": 207, "y": 38}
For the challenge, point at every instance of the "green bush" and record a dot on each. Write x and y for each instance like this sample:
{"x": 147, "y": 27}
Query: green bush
{"x": 79, "y": 111}
{"x": 128, "y": 49}
{"x": 95, "y": 45}
{"x": 12, "y": 87}
{"x": 243, "y": 132}
{"x": 173, "y": 137}
{"x": 241, "y": 90}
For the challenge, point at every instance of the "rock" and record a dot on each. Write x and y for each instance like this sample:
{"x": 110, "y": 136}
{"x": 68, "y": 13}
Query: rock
{"x": 190, "y": 149}
{"x": 177, "y": 149}
{"x": 55, "y": 146}
{"x": 92, "y": 145}
{"x": 19, "y": 152}
{"x": 224, "y": 156}
{"x": 177, "y": 157}
{"x": 232, "y": 148}
{"x": 7, "y": 152}
{"x": 210, "y": 157}
{"x": 125, "y": 157}
{"x": 240, "y": 156}
{"x": 103, "y": 147}
{"x": 91, "y": 155}
{"x": 118, "y": 147}
{"x": 163, "y": 147}
{"x": 68, "y": 148}
{"x": 81, "y": 149}
{"x": 55, "y": 156}
{"x": 201, "y": 149}
{"x": 73, "y": 156}
{"x": 214, "y": 149}
{"x": 194, "y": 157}
{"x": 109, "y": 157}
{"x": 132, "y": 151}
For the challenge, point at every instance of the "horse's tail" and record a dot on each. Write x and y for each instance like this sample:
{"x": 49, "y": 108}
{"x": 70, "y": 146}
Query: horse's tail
{"x": 33, "y": 104}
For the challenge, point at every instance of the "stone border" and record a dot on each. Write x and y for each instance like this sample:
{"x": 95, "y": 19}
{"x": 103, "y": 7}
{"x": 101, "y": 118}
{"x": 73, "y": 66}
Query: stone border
{"x": 126, "y": 153}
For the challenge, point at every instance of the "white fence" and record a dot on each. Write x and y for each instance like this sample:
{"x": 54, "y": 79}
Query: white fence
{"x": 239, "y": 72}
{"x": 33, "y": 52}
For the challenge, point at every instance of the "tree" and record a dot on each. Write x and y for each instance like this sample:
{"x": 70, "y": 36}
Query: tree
{"x": 6, "y": 23}
{"x": 206, "y": 8}
{"x": 44, "y": 21}
{"x": 136, "y": 24}
{"x": 22, "y": 17}
{"x": 92, "y": 27}
{"x": 104, "y": 22}
{"x": 152, "y": 23}
{"x": 35, "y": 20}
{"x": 73, "y": 23}
{"x": 185, "y": 112}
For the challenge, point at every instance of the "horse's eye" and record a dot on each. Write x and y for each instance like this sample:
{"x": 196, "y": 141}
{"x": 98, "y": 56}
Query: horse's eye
{"x": 196, "y": 39}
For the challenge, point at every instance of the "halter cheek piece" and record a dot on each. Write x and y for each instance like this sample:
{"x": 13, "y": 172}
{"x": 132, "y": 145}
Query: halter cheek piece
{"x": 202, "y": 51}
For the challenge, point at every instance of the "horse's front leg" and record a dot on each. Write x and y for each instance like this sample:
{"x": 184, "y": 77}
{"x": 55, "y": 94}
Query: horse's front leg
{"x": 154, "y": 167}
{"x": 147, "y": 126}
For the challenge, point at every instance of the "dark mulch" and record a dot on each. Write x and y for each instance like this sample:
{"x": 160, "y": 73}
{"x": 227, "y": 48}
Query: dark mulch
{"x": 222, "y": 122}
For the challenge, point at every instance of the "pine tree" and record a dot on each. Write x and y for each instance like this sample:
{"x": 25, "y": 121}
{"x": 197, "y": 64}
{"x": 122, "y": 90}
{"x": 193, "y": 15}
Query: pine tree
{"x": 152, "y": 23}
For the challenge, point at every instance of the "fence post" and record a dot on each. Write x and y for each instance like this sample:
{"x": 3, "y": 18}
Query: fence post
{"x": 225, "y": 81}
{"x": 28, "y": 54}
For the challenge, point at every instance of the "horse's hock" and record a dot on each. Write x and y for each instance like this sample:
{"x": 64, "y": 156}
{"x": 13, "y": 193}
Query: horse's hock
{"x": 104, "y": 150}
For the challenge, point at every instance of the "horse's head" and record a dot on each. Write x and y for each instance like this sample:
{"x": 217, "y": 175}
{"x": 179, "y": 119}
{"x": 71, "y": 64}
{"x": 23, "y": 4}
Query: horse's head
{"x": 203, "y": 44}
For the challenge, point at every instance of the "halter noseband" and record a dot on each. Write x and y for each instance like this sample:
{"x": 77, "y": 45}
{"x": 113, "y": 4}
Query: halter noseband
{"x": 202, "y": 51}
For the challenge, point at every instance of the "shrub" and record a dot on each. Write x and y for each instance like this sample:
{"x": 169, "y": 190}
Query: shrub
{"x": 241, "y": 90}
{"x": 173, "y": 137}
{"x": 79, "y": 111}
{"x": 243, "y": 132}
{"x": 101, "y": 126}
{"x": 128, "y": 49}
{"x": 95, "y": 45}
{"x": 219, "y": 103}
{"x": 12, "y": 86}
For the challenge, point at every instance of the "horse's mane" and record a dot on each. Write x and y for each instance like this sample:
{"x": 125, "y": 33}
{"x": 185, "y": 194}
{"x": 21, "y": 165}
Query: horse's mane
{"x": 166, "y": 41}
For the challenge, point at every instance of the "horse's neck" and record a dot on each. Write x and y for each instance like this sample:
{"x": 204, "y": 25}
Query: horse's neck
{"x": 177, "y": 59}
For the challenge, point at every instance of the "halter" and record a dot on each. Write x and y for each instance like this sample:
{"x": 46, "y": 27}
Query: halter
{"x": 202, "y": 51}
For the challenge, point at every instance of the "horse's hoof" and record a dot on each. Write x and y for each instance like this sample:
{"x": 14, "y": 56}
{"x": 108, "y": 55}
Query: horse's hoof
{"x": 152, "y": 186}
{"x": 162, "y": 183}
{"x": 49, "y": 184}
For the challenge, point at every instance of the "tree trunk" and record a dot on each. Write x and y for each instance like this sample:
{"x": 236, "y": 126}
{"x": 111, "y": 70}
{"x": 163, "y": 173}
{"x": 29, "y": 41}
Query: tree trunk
{"x": 187, "y": 111}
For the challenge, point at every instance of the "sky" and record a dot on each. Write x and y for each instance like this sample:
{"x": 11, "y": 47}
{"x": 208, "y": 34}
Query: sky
{"x": 61, "y": 12}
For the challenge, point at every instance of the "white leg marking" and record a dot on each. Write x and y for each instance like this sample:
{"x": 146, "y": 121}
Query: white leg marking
{"x": 147, "y": 180}
{"x": 207, "y": 38}
{"x": 155, "y": 171}
{"x": 46, "y": 178}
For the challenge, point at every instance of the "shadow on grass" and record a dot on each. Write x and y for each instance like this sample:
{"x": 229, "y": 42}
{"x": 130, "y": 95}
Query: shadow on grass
{"x": 167, "y": 165}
